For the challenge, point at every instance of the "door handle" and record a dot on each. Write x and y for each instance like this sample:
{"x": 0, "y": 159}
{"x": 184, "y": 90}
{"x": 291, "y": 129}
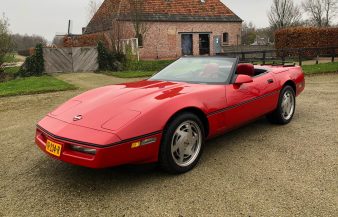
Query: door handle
{"x": 270, "y": 81}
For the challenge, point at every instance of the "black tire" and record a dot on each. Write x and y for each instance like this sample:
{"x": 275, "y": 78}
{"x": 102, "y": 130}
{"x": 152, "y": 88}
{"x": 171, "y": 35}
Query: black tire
{"x": 277, "y": 117}
{"x": 166, "y": 159}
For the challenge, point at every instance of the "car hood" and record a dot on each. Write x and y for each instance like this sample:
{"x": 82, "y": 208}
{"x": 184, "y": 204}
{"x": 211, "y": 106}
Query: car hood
{"x": 112, "y": 107}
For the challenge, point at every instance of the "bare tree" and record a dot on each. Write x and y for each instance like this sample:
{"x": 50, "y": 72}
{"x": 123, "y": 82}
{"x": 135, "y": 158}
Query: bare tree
{"x": 118, "y": 31}
{"x": 284, "y": 13}
{"x": 330, "y": 8}
{"x": 6, "y": 43}
{"x": 112, "y": 19}
{"x": 24, "y": 42}
{"x": 92, "y": 8}
{"x": 266, "y": 33}
{"x": 315, "y": 10}
{"x": 104, "y": 19}
{"x": 321, "y": 12}
{"x": 248, "y": 33}
{"x": 137, "y": 18}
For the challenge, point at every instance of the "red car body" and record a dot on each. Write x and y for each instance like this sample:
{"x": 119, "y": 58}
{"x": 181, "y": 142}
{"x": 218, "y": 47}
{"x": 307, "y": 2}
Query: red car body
{"x": 113, "y": 122}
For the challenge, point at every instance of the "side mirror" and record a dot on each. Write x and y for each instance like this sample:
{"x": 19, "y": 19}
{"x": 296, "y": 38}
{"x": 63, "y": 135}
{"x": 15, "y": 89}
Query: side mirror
{"x": 243, "y": 79}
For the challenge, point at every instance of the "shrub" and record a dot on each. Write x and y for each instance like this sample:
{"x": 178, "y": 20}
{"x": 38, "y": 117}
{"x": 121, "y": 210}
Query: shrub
{"x": 129, "y": 53}
{"x": 108, "y": 60}
{"x": 25, "y": 53}
{"x": 2, "y": 74}
{"x": 5, "y": 75}
{"x": 6, "y": 42}
{"x": 306, "y": 37}
{"x": 87, "y": 40}
{"x": 9, "y": 58}
{"x": 103, "y": 57}
{"x": 34, "y": 65}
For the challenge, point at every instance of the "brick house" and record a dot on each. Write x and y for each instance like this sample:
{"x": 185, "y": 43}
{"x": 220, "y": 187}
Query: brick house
{"x": 171, "y": 28}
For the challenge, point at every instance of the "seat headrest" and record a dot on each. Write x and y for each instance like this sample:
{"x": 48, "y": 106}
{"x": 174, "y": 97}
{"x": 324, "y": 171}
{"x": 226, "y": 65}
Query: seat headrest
{"x": 245, "y": 69}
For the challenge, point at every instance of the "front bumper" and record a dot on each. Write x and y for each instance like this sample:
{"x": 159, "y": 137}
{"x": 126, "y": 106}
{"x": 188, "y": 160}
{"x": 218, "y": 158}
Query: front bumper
{"x": 106, "y": 155}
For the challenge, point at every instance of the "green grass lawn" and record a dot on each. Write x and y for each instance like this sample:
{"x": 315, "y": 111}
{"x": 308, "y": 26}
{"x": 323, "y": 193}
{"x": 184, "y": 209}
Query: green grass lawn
{"x": 10, "y": 58}
{"x": 148, "y": 68}
{"x": 143, "y": 68}
{"x": 130, "y": 74}
{"x": 33, "y": 85}
{"x": 12, "y": 70}
{"x": 320, "y": 68}
{"x": 148, "y": 65}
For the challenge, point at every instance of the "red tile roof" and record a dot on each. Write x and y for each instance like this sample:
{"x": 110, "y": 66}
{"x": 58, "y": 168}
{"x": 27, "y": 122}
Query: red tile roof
{"x": 162, "y": 10}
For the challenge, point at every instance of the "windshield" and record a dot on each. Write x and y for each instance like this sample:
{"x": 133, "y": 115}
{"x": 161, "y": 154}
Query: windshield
{"x": 213, "y": 70}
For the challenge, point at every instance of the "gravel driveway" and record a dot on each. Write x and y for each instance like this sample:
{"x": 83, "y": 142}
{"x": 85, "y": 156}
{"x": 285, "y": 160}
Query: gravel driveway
{"x": 258, "y": 170}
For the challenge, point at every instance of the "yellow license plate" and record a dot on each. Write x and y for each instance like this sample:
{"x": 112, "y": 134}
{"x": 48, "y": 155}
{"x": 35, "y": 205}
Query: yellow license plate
{"x": 53, "y": 148}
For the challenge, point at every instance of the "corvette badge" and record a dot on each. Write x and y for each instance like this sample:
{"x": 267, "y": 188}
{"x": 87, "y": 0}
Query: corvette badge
{"x": 77, "y": 118}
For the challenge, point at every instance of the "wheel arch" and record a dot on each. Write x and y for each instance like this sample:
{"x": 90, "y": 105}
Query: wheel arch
{"x": 292, "y": 84}
{"x": 194, "y": 110}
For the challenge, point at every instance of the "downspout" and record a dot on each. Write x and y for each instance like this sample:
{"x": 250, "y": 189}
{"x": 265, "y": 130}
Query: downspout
{"x": 158, "y": 26}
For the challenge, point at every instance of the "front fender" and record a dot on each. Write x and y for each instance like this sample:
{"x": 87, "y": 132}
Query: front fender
{"x": 156, "y": 116}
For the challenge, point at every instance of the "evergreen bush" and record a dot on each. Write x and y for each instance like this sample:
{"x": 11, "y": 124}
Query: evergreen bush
{"x": 34, "y": 65}
{"x": 110, "y": 60}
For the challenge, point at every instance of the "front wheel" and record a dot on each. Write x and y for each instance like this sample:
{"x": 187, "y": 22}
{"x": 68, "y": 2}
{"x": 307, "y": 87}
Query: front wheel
{"x": 286, "y": 107}
{"x": 182, "y": 143}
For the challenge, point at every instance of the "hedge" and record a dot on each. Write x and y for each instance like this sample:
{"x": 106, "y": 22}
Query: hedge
{"x": 307, "y": 37}
{"x": 88, "y": 40}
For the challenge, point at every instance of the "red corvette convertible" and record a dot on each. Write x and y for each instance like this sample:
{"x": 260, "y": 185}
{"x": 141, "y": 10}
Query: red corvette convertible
{"x": 168, "y": 118}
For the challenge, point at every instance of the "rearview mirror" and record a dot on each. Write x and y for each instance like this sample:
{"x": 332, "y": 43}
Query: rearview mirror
{"x": 243, "y": 79}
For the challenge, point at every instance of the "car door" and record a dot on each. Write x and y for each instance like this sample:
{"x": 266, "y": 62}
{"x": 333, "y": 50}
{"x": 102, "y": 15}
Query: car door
{"x": 249, "y": 101}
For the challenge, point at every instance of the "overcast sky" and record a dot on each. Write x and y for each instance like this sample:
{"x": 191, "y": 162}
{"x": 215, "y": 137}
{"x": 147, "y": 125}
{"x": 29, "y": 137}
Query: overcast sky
{"x": 48, "y": 17}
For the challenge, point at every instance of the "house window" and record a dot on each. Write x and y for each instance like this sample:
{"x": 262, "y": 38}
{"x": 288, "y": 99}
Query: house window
{"x": 225, "y": 38}
{"x": 140, "y": 40}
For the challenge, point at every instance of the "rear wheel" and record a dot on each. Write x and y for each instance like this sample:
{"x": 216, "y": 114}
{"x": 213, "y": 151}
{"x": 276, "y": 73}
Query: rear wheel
{"x": 286, "y": 107}
{"x": 182, "y": 143}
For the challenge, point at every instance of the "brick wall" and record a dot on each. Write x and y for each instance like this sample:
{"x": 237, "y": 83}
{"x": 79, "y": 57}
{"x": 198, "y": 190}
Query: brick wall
{"x": 163, "y": 39}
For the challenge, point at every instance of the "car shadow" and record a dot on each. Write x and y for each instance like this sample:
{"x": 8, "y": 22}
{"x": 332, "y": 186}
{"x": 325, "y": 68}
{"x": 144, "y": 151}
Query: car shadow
{"x": 75, "y": 178}
{"x": 243, "y": 133}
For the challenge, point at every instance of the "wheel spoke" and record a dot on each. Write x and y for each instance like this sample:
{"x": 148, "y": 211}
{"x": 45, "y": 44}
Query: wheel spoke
{"x": 179, "y": 143}
{"x": 175, "y": 148}
{"x": 287, "y": 105}
{"x": 284, "y": 106}
{"x": 289, "y": 108}
{"x": 189, "y": 132}
{"x": 284, "y": 102}
{"x": 189, "y": 151}
{"x": 181, "y": 156}
{"x": 181, "y": 133}
{"x": 193, "y": 140}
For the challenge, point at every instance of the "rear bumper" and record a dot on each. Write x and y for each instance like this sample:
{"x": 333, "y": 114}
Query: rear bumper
{"x": 105, "y": 156}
